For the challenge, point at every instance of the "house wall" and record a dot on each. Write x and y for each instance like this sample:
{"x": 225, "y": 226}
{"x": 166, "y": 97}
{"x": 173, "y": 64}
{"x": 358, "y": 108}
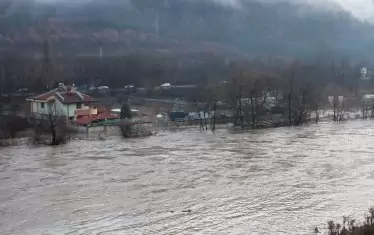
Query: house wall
{"x": 33, "y": 107}
{"x": 68, "y": 110}
{"x": 38, "y": 108}
{"x": 60, "y": 109}
{"x": 55, "y": 108}
{"x": 71, "y": 109}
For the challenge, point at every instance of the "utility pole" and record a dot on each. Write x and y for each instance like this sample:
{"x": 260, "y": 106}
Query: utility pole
{"x": 101, "y": 53}
{"x": 74, "y": 75}
{"x": 157, "y": 24}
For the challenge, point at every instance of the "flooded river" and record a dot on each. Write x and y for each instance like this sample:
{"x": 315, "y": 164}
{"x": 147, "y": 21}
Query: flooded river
{"x": 276, "y": 181}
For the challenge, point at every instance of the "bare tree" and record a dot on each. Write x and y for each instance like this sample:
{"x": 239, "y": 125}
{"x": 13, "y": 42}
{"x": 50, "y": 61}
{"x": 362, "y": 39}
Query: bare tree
{"x": 201, "y": 118}
{"x": 53, "y": 125}
{"x": 214, "y": 115}
{"x": 252, "y": 88}
{"x": 305, "y": 90}
{"x": 10, "y": 125}
{"x": 290, "y": 74}
{"x": 258, "y": 87}
{"x": 240, "y": 108}
{"x": 290, "y": 97}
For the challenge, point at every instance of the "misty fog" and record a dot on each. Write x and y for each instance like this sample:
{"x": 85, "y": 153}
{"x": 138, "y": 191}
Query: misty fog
{"x": 362, "y": 9}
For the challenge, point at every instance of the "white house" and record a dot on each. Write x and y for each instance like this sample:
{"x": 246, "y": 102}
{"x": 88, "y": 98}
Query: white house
{"x": 62, "y": 101}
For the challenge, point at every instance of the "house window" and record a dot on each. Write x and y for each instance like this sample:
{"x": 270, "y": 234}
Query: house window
{"x": 79, "y": 106}
{"x": 42, "y": 105}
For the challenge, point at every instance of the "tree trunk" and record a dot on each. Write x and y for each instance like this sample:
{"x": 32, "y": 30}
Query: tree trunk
{"x": 53, "y": 130}
{"x": 253, "y": 110}
{"x": 341, "y": 110}
{"x": 290, "y": 99}
{"x": 334, "y": 104}
{"x": 125, "y": 128}
{"x": 317, "y": 114}
{"x": 214, "y": 116}
{"x": 240, "y": 108}
{"x": 199, "y": 116}
{"x": 300, "y": 119}
{"x": 363, "y": 110}
{"x": 236, "y": 112}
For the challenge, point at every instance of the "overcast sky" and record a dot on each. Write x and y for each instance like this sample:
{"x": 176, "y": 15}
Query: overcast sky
{"x": 362, "y": 9}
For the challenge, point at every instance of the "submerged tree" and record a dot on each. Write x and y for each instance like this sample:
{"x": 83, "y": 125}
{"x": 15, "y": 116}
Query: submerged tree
{"x": 249, "y": 93}
{"x": 55, "y": 126}
{"x": 126, "y": 115}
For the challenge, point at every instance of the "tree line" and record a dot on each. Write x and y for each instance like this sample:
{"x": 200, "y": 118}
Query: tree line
{"x": 142, "y": 70}
{"x": 154, "y": 68}
{"x": 251, "y": 87}
{"x": 296, "y": 91}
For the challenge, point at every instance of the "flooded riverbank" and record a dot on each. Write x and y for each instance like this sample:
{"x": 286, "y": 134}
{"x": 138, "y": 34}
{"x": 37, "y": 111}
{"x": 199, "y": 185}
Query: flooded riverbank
{"x": 275, "y": 181}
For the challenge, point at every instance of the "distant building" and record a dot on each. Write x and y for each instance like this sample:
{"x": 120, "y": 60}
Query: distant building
{"x": 368, "y": 100}
{"x": 366, "y": 73}
{"x": 62, "y": 101}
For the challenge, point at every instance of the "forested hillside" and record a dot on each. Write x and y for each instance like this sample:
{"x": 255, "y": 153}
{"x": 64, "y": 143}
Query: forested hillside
{"x": 182, "y": 26}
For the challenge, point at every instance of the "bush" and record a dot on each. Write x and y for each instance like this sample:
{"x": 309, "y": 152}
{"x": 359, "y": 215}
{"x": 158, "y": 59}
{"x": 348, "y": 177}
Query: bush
{"x": 349, "y": 227}
{"x": 11, "y": 125}
{"x": 51, "y": 130}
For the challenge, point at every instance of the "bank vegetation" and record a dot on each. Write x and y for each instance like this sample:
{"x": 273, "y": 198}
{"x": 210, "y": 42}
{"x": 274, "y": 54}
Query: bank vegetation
{"x": 351, "y": 227}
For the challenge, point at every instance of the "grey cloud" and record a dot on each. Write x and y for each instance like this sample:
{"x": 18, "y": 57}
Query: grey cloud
{"x": 361, "y": 9}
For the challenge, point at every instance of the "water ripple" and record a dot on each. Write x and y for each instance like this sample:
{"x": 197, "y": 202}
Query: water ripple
{"x": 277, "y": 181}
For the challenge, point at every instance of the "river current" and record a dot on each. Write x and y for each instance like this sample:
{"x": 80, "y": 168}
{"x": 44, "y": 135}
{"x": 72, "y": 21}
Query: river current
{"x": 274, "y": 181}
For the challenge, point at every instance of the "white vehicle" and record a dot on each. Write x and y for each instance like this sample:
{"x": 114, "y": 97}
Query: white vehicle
{"x": 22, "y": 90}
{"x": 129, "y": 86}
{"x": 166, "y": 85}
{"x": 102, "y": 87}
{"x": 116, "y": 111}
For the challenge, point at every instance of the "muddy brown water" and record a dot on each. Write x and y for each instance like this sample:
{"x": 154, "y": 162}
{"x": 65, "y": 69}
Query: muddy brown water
{"x": 275, "y": 181}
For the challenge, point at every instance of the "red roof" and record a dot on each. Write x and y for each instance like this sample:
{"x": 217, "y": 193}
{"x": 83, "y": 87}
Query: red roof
{"x": 65, "y": 96}
{"x": 45, "y": 96}
{"x": 73, "y": 97}
{"x": 96, "y": 118}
